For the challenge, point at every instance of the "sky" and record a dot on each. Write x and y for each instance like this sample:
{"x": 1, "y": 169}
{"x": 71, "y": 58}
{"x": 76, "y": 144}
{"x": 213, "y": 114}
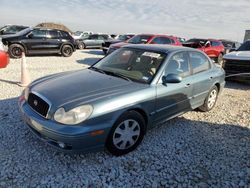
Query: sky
{"x": 218, "y": 19}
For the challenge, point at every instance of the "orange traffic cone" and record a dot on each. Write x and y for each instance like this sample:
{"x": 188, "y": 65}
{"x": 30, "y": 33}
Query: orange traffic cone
{"x": 25, "y": 79}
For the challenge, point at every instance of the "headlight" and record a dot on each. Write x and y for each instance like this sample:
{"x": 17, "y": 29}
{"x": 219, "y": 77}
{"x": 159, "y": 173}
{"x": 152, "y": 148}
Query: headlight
{"x": 73, "y": 116}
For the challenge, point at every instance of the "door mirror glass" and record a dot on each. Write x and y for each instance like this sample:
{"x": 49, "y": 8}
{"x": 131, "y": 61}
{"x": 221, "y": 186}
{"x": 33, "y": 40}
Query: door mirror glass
{"x": 171, "y": 78}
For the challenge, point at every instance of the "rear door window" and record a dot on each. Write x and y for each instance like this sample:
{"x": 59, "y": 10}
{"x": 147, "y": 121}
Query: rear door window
{"x": 199, "y": 62}
{"x": 53, "y": 34}
{"x": 178, "y": 64}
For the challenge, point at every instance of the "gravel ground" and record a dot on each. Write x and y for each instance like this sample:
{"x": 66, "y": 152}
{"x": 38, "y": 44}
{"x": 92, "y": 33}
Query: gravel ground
{"x": 194, "y": 150}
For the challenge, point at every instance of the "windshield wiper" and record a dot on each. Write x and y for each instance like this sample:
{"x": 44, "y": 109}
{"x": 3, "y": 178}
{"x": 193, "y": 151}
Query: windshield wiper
{"x": 98, "y": 70}
{"x": 118, "y": 75}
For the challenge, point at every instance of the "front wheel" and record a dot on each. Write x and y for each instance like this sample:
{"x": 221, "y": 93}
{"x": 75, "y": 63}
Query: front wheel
{"x": 210, "y": 100}
{"x": 126, "y": 134}
{"x": 15, "y": 50}
{"x": 67, "y": 50}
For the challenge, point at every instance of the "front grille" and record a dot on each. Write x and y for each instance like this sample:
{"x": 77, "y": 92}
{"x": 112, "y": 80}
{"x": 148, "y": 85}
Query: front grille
{"x": 38, "y": 104}
{"x": 236, "y": 66}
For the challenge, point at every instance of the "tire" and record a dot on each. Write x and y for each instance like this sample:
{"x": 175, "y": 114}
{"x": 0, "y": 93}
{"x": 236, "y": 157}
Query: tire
{"x": 105, "y": 51}
{"x": 81, "y": 46}
{"x": 210, "y": 100}
{"x": 16, "y": 50}
{"x": 120, "y": 140}
{"x": 67, "y": 50}
{"x": 220, "y": 59}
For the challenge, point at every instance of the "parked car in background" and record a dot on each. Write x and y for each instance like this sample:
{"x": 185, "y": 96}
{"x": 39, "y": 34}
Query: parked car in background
{"x": 40, "y": 41}
{"x": 120, "y": 38}
{"x": 113, "y": 103}
{"x": 11, "y": 29}
{"x": 213, "y": 48}
{"x": 4, "y": 59}
{"x": 230, "y": 46}
{"x": 146, "y": 39}
{"x": 92, "y": 41}
{"x": 237, "y": 63}
{"x": 81, "y": 34}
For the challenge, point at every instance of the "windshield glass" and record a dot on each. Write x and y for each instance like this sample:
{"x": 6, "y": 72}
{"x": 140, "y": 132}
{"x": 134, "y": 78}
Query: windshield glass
{"x": 122, "y": 37}
{"x": 23, "y": 32}
{"x": 137, "y": 65}
{"x": 245, "y": 46}
{"x": 139, "y": 39}
{"x": 77, "y": 33}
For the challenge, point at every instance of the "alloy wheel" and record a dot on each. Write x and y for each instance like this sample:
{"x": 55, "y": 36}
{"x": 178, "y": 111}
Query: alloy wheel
{"x": 212, "y": 98}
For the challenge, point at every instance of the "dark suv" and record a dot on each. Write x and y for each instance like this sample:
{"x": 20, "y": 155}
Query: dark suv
{"x": 40, "y": 41}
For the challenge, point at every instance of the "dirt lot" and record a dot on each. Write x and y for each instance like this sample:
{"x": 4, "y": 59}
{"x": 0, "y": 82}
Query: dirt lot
{"x": 197, "y": 149}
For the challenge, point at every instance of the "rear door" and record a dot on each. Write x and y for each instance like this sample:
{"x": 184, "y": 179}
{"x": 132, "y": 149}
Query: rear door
{"x": 91, "y": 41}
{"x": 36, "y": 41}
{"x": 202, "y": 77}
{"x": 174, "y": 98}
{"x": 54, "y": 40}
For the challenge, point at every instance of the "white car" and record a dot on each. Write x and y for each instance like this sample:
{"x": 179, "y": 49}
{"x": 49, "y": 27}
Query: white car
{"x": 81, "y": 34}
{"x": 237, "y": 63}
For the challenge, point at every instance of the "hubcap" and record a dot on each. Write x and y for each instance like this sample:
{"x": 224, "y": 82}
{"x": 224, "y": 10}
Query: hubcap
{"x": 17, "y": 51}
{"x": 126, "y": 134}
{"x": 212, "y": 98}
{"x": 67, "y": 51}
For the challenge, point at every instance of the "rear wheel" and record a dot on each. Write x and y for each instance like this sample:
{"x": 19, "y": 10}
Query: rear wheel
{"x": 210, "y": 100}
{"x": 81, "y": 46}
{"x": 16, "y": 50}
{"x": 126, "y": 134}
{"x": 67, "y": 50}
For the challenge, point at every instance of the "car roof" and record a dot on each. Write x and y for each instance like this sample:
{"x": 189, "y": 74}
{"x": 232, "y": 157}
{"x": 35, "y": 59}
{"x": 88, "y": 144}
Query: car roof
{"x": 159, "y": 48}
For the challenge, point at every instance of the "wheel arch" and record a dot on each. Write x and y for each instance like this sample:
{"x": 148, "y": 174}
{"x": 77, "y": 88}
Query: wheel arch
{"x": 19, "y": 43}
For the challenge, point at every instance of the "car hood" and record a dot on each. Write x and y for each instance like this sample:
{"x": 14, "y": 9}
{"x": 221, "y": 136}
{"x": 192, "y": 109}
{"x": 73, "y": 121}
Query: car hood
{"x": 81, "y": 87}
{"x": 238, "y": 55}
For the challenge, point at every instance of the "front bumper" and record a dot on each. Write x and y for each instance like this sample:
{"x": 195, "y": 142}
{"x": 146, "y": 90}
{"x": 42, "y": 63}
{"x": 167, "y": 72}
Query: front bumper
{"x": 76, "y": 139}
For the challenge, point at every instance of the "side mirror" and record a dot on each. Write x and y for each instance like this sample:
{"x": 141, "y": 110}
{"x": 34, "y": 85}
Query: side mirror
{"x": 30, "y": 35}
{"x": 171, "y": 78}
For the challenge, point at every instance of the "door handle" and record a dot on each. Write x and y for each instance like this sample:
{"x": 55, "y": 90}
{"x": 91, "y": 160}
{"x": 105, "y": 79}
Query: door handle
{"x": 187, "y": 85}
{"x": 211, "y": 78}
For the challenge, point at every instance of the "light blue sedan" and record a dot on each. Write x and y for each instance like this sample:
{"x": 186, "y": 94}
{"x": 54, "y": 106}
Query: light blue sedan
{"x": 113, "y": 103}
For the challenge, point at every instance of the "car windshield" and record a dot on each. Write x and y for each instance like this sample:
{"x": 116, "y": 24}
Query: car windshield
{"x": 122, "y": 37}
{"x": 78, "y": 33}
{"x": 12, "y": 29}
{"x": 195, "y": 43}
{"x": 132, "y": 64}
{"x": 140, "y": 39}
{"x": 245, "y": 46}
{"x": 227, "y": 43}
{"x": 23, "y": 32}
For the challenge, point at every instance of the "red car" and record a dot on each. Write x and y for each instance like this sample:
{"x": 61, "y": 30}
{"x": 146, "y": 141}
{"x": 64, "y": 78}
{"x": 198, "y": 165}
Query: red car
{"x": 213, "y": 48}
{"x": 4, "y": 59}
{"x": 147, "y": 39}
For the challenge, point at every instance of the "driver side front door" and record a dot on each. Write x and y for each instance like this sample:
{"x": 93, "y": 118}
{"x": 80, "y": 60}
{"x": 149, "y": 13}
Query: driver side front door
{"x": 174, "y": 98}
